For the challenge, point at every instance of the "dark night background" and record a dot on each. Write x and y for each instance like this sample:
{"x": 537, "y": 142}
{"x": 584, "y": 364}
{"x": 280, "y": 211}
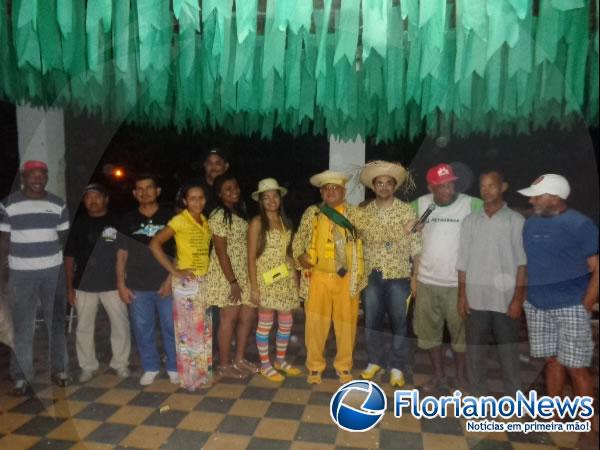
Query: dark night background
{"x": 92, "y": 145}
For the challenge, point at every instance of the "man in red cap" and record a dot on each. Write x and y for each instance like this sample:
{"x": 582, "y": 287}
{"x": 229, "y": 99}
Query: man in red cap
{"x": 435, "y": 279}
{"x": 33, "y": 229}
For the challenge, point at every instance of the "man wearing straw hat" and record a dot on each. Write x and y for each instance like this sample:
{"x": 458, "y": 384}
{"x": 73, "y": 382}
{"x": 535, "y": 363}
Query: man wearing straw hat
{"x": 327, "y": 244}
{"x": 389, "y": 247}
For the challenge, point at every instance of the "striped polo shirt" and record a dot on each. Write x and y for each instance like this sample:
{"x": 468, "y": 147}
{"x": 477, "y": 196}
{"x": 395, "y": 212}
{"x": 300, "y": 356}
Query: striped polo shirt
{"x": 33, "y": 226}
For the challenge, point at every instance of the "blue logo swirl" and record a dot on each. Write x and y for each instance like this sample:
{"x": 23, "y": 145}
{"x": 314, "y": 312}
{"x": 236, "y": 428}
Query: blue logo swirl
{"x": 371, "y": 410}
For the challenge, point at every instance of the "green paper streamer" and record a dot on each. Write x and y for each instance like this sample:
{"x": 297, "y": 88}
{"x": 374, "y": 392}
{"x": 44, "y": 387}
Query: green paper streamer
{"x": 490, "y": 68}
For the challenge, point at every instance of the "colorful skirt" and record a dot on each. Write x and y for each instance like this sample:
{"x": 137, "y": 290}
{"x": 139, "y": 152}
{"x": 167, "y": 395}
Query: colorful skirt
{"x": 193, "y": 333}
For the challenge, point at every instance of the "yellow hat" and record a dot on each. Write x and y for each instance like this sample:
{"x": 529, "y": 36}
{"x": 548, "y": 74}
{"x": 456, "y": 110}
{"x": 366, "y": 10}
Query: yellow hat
{"x": 329, "y": 177}
{"x": 268, "y": 184}
{"x": 376, "y": 169}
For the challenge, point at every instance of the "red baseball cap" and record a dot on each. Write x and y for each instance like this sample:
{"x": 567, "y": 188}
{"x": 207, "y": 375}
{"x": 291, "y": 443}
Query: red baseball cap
{"x": 33, "y": 165}
{"x": 440, "y": 174}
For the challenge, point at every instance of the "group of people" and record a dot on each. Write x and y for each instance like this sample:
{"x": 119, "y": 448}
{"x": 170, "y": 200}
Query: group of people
{"x": 472, "y": 265}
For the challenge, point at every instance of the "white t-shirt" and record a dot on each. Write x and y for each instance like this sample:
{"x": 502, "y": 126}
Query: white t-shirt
{"x": 441, "y": 238}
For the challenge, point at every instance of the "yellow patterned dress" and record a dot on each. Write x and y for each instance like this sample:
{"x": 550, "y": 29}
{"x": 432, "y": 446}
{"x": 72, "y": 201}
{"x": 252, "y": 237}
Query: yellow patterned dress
{"x": 217, "y": 286}
{"x": 282, "y": 295}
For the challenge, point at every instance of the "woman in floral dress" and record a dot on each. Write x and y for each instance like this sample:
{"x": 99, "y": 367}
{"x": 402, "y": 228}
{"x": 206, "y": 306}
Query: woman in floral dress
{"x": 227, "y": 279}
{"x": 272, "y": 277}
{"x": 193, "y": 326}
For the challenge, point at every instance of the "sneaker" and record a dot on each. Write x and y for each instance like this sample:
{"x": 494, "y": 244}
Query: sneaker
{"x": 371, "y": 371}
{"x": 173, "y": 377}
{"x": 86, "y": 375}
{"x": 123, "y": 372}
{"x": 396, "y": 378}
{"x": 61, "y": 379}
{"x": 20, "y": 389}
{"x": 288, "y": 369}
{"x": 271, "y": 374}
{"x": 148, "y": 377}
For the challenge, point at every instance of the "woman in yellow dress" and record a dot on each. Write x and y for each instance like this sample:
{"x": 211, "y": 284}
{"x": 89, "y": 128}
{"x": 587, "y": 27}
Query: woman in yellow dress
{"x": 193, "y": 326}
{"x": 227, "y": 279}
{"x": 272, "y": 277}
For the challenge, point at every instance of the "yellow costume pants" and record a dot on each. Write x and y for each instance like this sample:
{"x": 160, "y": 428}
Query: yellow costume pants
{"x": 329, "y": 299}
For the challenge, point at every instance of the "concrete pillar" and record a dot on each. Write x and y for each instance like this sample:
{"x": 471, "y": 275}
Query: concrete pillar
{"x": 42, "y": 136}
{"x": 349, "y": 157}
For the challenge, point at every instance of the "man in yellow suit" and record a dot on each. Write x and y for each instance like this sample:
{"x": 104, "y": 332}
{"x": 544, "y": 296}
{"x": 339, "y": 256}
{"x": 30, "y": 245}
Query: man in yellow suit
{"x": 328, "y": 248}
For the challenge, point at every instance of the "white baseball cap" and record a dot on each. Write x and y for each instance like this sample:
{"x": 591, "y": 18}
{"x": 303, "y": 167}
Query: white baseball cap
{"x": 549, "y": 183}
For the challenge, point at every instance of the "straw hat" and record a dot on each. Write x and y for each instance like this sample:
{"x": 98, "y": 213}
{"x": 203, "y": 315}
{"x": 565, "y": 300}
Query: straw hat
{"x": 268, "y": 184}
{"x": 383, "y": 168}
{"x": 329, "y": 177}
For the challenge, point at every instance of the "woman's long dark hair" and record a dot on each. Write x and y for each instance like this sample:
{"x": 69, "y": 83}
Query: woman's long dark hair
{"x": 264, "y": 225}
{"x": 238, "y": 209}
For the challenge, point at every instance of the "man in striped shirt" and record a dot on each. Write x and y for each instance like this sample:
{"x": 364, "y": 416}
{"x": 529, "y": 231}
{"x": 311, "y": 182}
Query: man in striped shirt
{"x": 33, "y": 229}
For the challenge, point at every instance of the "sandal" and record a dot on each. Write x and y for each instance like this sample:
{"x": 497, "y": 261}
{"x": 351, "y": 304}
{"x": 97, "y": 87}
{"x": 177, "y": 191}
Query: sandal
{"x": 314, "y": 377}
{"x": 345, "y": 376}
{"x": 229, "y": 371}
{"x": 288, "y": 369}
{"x": 243, "y": 365}
{"x": 435, "y": 385}
{"x": 272, "y": 375}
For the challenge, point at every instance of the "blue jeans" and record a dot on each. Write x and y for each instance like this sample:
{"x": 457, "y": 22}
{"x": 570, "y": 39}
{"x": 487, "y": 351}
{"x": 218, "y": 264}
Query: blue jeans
{"x": 143, "y": 317}
{"x": 25, "y": 288}
{"x": 380, "y": 297}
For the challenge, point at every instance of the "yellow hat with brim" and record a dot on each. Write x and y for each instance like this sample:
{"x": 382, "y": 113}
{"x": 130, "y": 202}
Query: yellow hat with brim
{"x": 268, "y": 184}
{"x": 376, "y": 169}
{"x": 329, "y": 177}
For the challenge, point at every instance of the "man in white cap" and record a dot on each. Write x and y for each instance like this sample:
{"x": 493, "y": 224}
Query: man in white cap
{"x": 389, "y": 247}
{"x": 33, "y": 230}
{"x": 327, "y": 244}
{"x": 562, "y": 266}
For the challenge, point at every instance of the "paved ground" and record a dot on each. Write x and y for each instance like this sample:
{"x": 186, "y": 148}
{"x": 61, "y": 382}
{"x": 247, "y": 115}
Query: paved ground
{"x": 108, "y": 412}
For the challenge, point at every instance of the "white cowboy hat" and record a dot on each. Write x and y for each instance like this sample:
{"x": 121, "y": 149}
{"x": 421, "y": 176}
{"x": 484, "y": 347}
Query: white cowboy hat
{"x": 329, "y": 177}
{"x": 376, "y": 169}
{"x": 268, "y": 184}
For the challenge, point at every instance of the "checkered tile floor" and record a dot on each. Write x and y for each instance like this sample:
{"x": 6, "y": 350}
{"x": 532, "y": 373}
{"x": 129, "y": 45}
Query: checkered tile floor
{"x": 108, "y": 412}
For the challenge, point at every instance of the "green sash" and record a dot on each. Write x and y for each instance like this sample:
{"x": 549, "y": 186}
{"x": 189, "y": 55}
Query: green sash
{"x": 339, "y": 219}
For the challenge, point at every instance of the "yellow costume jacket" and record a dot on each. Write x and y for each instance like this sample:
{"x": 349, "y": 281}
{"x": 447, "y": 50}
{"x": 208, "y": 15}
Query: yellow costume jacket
{"x": 304, "y": 240}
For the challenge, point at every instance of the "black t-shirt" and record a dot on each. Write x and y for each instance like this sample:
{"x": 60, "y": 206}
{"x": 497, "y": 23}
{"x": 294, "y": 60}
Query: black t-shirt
{"x": 144, "y": 273}
{"x": 92, "y": 243}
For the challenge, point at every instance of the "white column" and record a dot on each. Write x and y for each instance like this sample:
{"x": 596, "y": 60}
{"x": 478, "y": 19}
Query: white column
{"x": 42, "y": 137}
{"x": 349, "y": 157}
